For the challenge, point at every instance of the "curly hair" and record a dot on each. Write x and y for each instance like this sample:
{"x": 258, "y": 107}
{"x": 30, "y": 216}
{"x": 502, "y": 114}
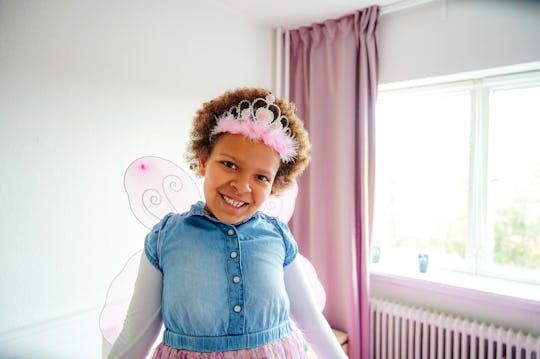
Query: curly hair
{"x": 202, "y": 142}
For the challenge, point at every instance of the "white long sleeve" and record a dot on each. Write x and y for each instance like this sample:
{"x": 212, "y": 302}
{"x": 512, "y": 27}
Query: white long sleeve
{"x": 307, "y": 316}
{"x": 143, "y": 320}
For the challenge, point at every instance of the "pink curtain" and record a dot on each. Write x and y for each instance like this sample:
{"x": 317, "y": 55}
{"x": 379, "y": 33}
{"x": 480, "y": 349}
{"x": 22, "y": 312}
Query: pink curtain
{"x": 333, "y": 82}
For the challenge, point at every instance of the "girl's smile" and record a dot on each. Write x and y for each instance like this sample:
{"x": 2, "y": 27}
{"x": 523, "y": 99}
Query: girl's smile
{"x": 238, "y": 177}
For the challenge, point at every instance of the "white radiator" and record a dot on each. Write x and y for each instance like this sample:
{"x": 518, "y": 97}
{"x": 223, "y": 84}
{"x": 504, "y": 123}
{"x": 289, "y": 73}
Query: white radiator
{"x": 403, "y": 332}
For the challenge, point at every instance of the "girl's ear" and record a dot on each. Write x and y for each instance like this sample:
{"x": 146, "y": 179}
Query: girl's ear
{"x": 202, "y": 166}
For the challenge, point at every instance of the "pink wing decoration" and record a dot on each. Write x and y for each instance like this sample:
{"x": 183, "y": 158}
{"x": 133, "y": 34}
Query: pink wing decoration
{"x": 282, "y": 206}
{"x": 155, "y": 187}
{"x": 118, "y": 296}
{"x": 317, "y": 289}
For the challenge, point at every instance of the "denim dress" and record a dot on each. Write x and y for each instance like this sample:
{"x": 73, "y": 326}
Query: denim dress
{"x": 223, "y": 287}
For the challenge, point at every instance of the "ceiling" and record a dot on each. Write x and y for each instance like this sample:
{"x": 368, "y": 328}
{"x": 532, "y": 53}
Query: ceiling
{"x": 291, "y": 14}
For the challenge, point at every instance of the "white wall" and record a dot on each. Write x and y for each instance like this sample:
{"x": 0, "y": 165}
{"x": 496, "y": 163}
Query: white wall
{"x": 85, "y": 88}
{"x": 452, "y": 36}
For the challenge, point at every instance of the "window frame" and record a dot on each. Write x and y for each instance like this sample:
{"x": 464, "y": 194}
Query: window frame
{"x": 479, "y": 84}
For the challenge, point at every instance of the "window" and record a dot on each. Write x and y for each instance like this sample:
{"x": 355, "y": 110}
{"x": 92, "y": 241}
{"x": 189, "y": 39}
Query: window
{"x": 458, "y": 178}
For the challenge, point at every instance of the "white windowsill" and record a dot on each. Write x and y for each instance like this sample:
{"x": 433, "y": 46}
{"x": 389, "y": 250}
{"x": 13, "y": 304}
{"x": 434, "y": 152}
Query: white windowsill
{"x": 467, "y": 285}
{"x": 500, "y": 302}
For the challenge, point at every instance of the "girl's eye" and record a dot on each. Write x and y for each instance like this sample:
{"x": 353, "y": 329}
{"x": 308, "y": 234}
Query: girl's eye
{"x": 263, "y": 178}
{"x": 229, "y": 165}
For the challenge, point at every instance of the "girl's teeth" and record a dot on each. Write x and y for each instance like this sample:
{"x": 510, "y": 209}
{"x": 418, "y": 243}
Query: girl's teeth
{"x": 233, "y": 202}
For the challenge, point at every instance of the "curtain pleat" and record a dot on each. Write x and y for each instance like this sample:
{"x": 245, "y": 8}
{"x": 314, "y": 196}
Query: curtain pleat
{"x": 333, "y": 82}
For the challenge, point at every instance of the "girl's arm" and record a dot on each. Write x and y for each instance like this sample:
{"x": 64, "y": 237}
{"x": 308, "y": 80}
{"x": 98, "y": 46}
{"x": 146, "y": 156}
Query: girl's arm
{"x": 307, "y": 316}
{"x": 143, "y": 320}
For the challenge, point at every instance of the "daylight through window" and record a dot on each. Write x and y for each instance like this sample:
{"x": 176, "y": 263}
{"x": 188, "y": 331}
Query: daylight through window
{"x": 458, "y": 178}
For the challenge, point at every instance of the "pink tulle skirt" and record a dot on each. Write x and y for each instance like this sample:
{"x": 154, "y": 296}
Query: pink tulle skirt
{"x": 290, "y": 347}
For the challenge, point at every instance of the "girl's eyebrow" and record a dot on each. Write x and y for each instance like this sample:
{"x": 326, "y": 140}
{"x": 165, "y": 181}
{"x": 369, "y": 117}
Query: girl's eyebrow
{"x": 227, "y": 156}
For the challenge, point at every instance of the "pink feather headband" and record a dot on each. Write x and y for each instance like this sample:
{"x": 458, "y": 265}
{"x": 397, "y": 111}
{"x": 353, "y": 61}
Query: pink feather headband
{"x": 260, "y": 120}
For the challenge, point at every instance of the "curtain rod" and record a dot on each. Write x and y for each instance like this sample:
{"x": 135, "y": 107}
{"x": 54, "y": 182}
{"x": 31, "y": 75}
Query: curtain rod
{"x": 405, "y": 4}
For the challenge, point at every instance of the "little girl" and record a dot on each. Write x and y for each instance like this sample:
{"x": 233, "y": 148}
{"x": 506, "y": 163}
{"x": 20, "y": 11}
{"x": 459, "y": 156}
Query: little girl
{"x": 223, "y": 278}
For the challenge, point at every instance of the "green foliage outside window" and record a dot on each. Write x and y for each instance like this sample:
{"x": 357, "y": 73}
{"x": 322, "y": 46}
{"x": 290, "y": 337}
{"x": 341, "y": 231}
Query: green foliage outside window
{"x": 517, "y": 241}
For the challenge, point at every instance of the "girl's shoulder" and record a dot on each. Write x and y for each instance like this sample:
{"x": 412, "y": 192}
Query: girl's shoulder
{"x": 159, "y": 234}
{"x": 290, "y": 245}
{"x": 174, "y": 218}
{"x": 276, "y": 222}
{"x": 170, "y": 219}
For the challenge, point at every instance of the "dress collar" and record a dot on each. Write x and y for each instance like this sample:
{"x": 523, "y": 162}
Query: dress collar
{"x": 198, "y": 209}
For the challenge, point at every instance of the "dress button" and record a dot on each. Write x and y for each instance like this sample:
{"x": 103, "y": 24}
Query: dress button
{"x": 236, "y": 279}
{"x": 230, "y": 232}
{"x": 234, "y": 255}
{"x": 237, "y": 308}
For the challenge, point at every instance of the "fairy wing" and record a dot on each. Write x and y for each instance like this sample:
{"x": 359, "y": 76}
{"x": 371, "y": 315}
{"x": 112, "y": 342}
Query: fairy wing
{"x": 155, "y": 187}
{"x": 282, "y": 206}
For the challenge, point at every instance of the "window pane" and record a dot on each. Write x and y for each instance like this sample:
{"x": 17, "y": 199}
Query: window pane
{"x": 514, "y": 178}
{"x": 422, "y": 177}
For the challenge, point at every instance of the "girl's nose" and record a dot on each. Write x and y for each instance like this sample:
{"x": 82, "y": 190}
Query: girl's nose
{"x": 241, "y": 185}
